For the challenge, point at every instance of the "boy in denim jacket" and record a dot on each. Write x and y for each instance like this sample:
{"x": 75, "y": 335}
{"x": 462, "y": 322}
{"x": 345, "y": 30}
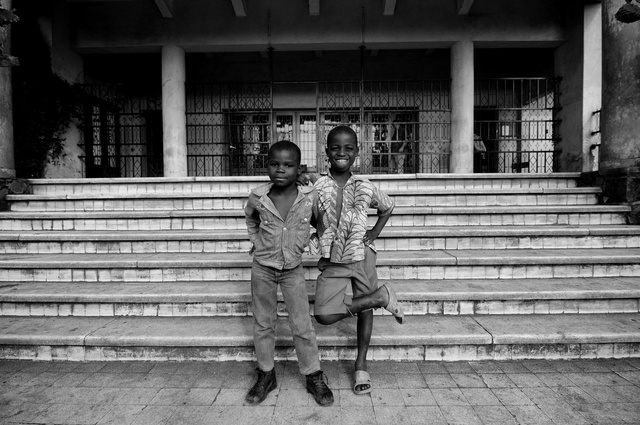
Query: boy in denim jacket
{"x": 278, "y": 216}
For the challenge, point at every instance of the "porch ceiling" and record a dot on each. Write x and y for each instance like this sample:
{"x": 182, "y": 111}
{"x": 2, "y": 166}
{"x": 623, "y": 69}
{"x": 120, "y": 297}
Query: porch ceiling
{"x": 311, "y": 25}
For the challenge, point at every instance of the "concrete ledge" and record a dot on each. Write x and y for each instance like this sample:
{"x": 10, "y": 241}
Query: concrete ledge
{"x": 385, "y": 258}
{"x": 239, "y": 291}
{"x": 225, "y": 195}
{"x": 235, "y": 332}
{"x": 565, "y": 329}
{"x": 453, "y": 210}
{"x": 157, "y": 180}
{"x": 388, "y": 233}
{"x": 48, "y": 331}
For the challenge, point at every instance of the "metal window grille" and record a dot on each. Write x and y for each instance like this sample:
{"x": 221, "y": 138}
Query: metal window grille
{"x": 516, "y": 124}
{"x": 403, "y": 126}
{"x": 228, "y": 128}
{"x": 122, "y": 132}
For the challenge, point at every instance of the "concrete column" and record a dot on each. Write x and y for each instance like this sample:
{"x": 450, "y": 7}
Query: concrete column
{"x": 620, "y": 117}
{"x": 591, "y": 81}
{"x": 619, "y": 120}
{"x": 174, "y": 122}
{"x": 462, "y": 75}
{"x": 7, "y": 157}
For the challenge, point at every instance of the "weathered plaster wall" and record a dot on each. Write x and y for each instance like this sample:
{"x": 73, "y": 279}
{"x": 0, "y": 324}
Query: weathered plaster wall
{"x": 620, "y": 119}
{"x": 67, "y": 165}
{"x": 569, "y": 64}
{"x": 7, "y": 159}
{"x": 68, "y": 65}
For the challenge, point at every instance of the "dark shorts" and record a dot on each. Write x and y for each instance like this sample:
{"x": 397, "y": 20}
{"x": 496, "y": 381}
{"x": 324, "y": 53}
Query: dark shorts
{"x": 335, "y": 278}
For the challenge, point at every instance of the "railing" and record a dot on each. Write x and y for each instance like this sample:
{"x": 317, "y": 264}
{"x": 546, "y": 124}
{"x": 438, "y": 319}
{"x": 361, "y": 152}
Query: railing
{"x": 124, "y": 166}
{"x": 403, "y": 126}
{"x": 594, "y": 149}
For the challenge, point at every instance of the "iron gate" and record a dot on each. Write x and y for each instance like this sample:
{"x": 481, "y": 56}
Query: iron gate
{"x": 403, "y": 127}
{"x": 122, "y": 132}
{"x": 515, "y": 124}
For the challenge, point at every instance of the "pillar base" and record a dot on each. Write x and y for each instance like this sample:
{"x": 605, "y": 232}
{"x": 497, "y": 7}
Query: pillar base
{"x": 619, "y": 186}
{"x": 11, "y": 186}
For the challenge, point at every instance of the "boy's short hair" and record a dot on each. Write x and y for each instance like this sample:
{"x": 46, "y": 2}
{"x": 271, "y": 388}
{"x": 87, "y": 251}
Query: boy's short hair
{"x": 342, "y": 129}
{"x": 286, "y": 145}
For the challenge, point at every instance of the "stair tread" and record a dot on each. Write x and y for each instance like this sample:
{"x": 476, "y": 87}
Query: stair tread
{"x": 389, "y": 258}
{"x": 240, "y": 291}
{"x": 417, "y": 176}
{"x": 243, "y": 194}
{"x": 237, "y": 331}
{"x": 451, "y": 210}
{"x": 392, "y": 231}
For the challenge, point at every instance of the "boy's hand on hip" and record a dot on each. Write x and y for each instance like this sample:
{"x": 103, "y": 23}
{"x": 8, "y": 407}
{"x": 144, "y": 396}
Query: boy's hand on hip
{"x": 370, "y": 236}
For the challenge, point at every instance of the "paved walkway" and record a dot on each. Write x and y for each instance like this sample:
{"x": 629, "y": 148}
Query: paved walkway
{"x": 515, "y": 392}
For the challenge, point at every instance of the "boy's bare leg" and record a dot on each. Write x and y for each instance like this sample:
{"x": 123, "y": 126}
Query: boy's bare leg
{"x": 379, "y": 298}
{"x": 364, "y": 329}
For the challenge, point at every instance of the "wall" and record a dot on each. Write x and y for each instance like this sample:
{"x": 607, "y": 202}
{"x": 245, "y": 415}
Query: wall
{"x": 68, "y": 65}
{"x": 569, "y": 66}
{"x": 621, "y": 91}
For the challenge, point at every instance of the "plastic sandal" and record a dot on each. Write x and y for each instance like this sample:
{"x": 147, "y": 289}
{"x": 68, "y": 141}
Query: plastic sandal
{"x": 361, "y": 377}
{"x": 392, "y": 306}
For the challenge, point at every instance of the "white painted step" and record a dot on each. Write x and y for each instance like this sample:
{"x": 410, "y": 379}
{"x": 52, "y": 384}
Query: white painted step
{"x": 230, "y": 338}
{"x": 234, "y": 219}
{"x": 213, "y": 299}
{"x": 244, "y": 184}
{"x": 237, "y": 200}
{"x": 391, "y": 239}
{"x": 410, "y": 265}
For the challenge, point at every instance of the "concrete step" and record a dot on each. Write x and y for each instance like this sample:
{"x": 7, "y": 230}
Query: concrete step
{"x": 244, "y": 184}
{"x": 468, "y": 338}
{"x": 232, "y": 298}
{"x": 237, "y": 200}
{"x": 409, "y": 265}
{"x": 391, "y": 239}
{"x": 234, "y": 219}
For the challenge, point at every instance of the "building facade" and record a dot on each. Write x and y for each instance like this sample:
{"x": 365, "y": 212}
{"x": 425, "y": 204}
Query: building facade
{"x": 202, "y": 88}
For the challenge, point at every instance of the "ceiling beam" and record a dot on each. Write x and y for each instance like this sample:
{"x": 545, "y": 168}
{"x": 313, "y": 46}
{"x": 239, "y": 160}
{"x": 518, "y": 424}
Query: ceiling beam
{"x": 314, "y": 7}
{"x": 165, "y": 7}
{"x": 464, "y": 6}
{"x": 240, "y": 8}
{"x": 389, "y": 8}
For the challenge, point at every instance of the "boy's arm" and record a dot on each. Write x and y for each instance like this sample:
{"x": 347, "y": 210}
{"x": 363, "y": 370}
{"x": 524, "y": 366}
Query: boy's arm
{"x": 384, "y": 204}
{"x": 252, "y": 217}
{"x": 305, "y": 178}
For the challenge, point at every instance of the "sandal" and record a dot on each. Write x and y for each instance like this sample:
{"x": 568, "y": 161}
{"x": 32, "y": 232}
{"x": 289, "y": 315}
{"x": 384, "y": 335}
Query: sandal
{"x": 392, "y": 306}
{"x": 361, "y": 377}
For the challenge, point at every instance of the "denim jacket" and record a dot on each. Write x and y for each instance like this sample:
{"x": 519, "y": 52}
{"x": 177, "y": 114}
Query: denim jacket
{"x": 278, "y": 242}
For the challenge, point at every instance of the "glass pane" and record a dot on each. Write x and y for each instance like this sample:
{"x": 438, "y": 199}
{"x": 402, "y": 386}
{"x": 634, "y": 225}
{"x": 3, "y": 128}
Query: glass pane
{"x": 308, "y": 144}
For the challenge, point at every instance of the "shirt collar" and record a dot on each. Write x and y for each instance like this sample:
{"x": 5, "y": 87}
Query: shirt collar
{"x": 352, "y": 178}
{"x": 264, "y": 189}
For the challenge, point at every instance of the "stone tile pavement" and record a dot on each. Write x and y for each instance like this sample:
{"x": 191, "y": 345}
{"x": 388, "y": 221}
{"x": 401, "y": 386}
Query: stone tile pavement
{"x": 508, "y": 392}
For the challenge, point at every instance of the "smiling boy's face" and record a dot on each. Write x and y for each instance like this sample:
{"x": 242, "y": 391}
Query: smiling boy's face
{"x": 342, "y": 150}
{"x": 283, "y": 167}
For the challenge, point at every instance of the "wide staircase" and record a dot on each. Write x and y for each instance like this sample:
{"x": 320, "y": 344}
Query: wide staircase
{"x": 485, "y": 266}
